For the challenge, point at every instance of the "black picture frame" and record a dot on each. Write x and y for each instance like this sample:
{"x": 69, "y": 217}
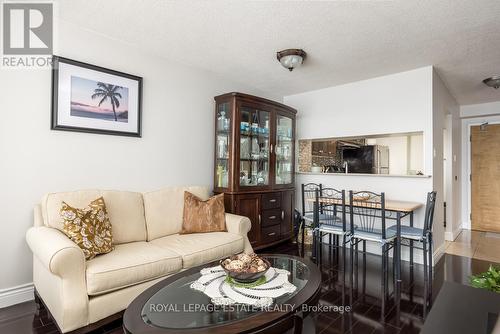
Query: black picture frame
{"x": 56, "y": 61}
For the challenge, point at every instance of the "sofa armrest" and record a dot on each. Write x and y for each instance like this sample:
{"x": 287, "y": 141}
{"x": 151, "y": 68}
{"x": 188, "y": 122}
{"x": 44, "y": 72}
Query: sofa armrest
{"x": 58, "y": 254}
{"x": 237, "y": 224}
{"x": 59, "y": 276}
{"x": 240, "y": 225}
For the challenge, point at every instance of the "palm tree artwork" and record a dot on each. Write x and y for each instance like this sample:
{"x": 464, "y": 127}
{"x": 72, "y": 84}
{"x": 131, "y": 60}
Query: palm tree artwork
{"x": 107, "y": 92}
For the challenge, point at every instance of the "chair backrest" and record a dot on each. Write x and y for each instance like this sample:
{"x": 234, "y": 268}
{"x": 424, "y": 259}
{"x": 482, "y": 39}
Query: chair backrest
{"x": 330, "y": 207}
{"x": 429, "y": 211}
{"x": 368, "y": 207}
{"x": 308, "y": 196}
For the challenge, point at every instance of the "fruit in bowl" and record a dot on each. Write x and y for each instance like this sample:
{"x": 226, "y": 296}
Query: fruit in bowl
{"x": 245, "y": 268}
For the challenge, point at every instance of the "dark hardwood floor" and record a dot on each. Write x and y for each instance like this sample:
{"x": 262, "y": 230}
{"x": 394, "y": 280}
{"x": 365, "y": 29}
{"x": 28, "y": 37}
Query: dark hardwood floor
{"x": 365, "y": 316}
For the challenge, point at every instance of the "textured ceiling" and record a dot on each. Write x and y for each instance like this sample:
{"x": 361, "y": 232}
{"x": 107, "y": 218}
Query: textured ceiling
{"x": 346, "y": 41}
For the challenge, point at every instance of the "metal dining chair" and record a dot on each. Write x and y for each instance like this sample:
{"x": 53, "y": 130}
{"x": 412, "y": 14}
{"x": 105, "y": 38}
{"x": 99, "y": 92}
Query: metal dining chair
{"x": 330, "y": 219}
{"x": 308, "y": 197}
{"x": 424, "y": 236}
{"x": 366, "y": 208}
{"x": 330, "y": 205}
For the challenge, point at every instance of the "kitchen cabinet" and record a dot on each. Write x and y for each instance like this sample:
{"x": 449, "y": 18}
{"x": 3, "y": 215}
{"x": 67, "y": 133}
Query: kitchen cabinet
{"x": 324, "y": 148}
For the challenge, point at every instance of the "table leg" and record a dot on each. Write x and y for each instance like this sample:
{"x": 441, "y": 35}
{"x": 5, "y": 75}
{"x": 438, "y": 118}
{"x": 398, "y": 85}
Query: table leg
{"x": 411, "y": 245}
{"x": 303, "y": 236}
{"x": 315, "y": 242}
{"x": 398, "y": 264}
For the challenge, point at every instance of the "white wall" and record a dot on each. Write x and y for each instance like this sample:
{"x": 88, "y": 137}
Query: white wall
{"x": 445, "y": 104}
{"x": 176, "y": 148}
{"x": 480, "y": 110}
{"x": 395, "y": 103}
{"x": 475, "y": 114}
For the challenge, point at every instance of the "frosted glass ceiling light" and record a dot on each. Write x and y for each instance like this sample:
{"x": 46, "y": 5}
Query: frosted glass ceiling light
{"x": 291, "y": 58}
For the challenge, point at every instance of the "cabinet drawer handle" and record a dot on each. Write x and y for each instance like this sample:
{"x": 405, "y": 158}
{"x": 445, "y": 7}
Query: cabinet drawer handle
{"x": 271, "y": 234}
{"x": 259, "y": 219}
{"x": 272, "y": 217}
{"x": 272, "y": 200}
{"x": 282, "y": 214}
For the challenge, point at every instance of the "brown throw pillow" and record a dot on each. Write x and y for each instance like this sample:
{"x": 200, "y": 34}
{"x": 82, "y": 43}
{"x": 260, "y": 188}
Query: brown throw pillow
{"x": 89, "y": 228}
{"x": 203, "y": 216}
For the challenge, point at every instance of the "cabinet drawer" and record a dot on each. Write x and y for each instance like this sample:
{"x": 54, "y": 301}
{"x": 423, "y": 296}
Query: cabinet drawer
{"x": 271, "y": 233}
{"x": 271, "y": 201}
{"x": 271, "y": 217}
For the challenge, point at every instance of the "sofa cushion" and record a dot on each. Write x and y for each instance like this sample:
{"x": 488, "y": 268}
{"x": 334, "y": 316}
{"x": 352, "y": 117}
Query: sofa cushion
{"x": 129, "y": 264}
{"x": 89, "y": 228}
{"x": 203, "y": 216}
{"x": 200, "y": 248}
{"x": 125, "y": 210}
{"x": 164, "y": 208}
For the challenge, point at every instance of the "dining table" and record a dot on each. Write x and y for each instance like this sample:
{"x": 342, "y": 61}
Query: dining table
{"x": 395, "y": 210}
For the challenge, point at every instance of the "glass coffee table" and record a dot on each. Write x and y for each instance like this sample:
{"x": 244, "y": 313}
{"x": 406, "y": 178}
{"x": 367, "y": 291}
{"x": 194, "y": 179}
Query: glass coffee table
{"x": 171, "y": 306}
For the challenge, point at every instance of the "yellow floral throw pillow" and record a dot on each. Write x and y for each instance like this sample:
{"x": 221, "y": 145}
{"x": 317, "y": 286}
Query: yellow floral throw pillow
{"x": 89, "y": 228}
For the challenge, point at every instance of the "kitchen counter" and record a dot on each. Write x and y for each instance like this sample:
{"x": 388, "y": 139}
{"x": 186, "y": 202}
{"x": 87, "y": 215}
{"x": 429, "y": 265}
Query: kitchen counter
{"x": 360, "y": 174}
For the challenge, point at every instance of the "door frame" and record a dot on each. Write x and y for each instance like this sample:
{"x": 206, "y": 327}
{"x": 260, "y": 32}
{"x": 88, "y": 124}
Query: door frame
{"x": 467, "y": 124}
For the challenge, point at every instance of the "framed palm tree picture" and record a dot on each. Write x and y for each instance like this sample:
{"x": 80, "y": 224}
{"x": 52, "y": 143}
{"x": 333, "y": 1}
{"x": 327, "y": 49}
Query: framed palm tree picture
{"x": 89, "y": 98}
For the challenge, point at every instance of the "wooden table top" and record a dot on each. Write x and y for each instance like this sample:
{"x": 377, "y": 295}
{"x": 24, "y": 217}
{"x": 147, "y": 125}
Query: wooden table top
{"x": 390, "y": 205}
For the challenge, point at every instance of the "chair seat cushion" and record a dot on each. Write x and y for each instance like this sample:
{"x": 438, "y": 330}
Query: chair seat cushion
{"x": 309, "y": 217}
{"x": 129, "y": 264}
{"x": 409, "y": 232}
{"x": 374, "y": 234}
{"x": 336, "y": 228}
{"x": 199, "y": 248}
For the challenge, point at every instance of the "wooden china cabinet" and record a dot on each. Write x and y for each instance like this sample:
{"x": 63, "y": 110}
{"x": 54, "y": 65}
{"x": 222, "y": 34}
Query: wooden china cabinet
{"x": 255, "y": 164}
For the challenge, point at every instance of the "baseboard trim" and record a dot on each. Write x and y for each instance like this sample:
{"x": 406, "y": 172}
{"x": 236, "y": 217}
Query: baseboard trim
{"x": 451, "y": 236}
{"x": 438, "y": 253}
{"x": 17, "y": 294}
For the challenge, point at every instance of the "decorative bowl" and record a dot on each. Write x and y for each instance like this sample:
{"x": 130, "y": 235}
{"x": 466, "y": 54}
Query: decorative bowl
{"x": 242, "y": 276}
{"x": 316, "y": 169}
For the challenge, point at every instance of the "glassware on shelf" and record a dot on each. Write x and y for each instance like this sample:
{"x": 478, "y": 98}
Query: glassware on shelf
{"x": 262, "y": 178}
{"x": 255, "y": 148}
{"x": 222, "y": 176}
{"x": 244, "y": 127}
{"x": 284, "y": 142}
{"x": 245, "y": 148}
{"x": 222, "y": 148}
{"x": 223, "y": 138}
{"x": 244, "y": 177}
{"x": 222, "y": 122}
{"x": 286, "y": 152}
{"x": 255, "y": 128}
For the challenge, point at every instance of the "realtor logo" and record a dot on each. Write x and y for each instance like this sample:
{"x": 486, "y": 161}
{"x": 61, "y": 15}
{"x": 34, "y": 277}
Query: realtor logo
{"x": 27, "y": 28}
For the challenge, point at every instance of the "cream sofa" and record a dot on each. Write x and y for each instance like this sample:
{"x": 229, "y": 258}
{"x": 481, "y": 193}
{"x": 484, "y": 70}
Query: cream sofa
{"x": 148, "y": 248}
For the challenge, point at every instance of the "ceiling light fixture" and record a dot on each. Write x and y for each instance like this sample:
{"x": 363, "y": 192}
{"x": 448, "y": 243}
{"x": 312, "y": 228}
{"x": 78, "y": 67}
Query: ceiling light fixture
{"x": 291, "y": 58}
{"x": 494, "y": 81}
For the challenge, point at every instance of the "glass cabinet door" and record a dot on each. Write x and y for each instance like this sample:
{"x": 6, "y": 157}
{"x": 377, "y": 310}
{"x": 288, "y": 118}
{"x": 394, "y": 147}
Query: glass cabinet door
{"x": 254, "y": 147}
{"x": 222, "y": 150}
{"x": 284, "y": 149}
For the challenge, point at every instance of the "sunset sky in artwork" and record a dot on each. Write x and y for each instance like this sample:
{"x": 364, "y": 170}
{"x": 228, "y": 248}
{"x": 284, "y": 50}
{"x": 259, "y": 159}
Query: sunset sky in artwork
{"x": 81, "y": 93}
